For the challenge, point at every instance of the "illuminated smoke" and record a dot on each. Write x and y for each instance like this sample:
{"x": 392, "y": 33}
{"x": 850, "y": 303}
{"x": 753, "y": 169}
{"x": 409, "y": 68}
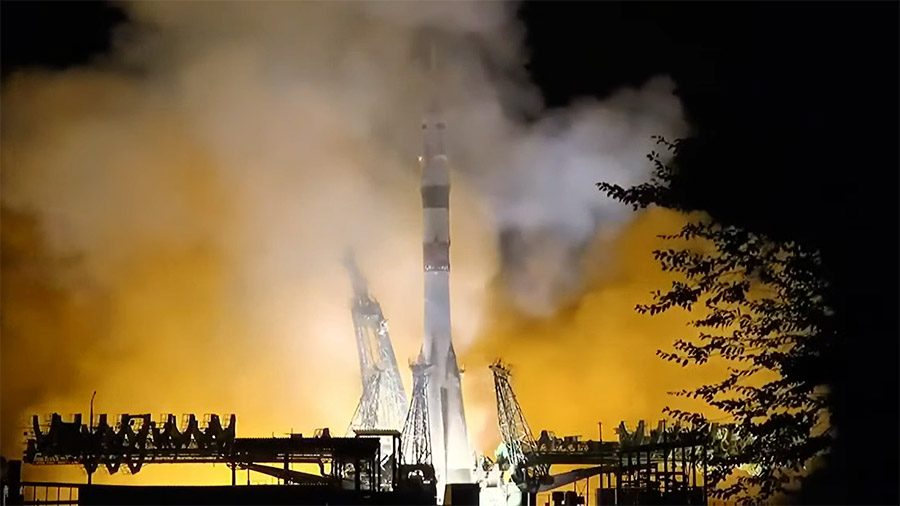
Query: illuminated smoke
{"x": 543, "y": 196}
{"x": 174, "y": 214}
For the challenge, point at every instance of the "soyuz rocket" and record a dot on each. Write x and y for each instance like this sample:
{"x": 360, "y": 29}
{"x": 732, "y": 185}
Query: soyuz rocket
{"x": 451, "y": 455}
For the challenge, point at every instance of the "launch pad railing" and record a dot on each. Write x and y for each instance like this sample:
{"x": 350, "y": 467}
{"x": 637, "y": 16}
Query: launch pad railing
{"x": 39, "y": 492}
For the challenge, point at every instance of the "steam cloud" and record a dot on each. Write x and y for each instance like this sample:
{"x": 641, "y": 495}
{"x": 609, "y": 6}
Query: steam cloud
{"x": 174, "y": 213}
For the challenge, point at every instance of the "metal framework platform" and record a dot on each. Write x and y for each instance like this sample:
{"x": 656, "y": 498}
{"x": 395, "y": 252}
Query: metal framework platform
{"x": 137, "y": 440}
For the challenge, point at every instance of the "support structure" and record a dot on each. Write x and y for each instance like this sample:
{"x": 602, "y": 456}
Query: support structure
{"x": 135, "y": 440}
{"x": 138, "y": 440}
{"x": 516, "y": 434}
{"x": 382, "y": 404}
{"x": 416, "y": 439}
{"x": 665, "y": 465}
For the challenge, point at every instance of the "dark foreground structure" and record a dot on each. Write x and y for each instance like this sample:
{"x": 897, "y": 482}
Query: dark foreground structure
{"x": 17, "y": 492}
{"x": 34, "y": 493}
{"x": 642, "y": 467}
{"x": 651, "y": 490}
{"x": 352, "y": 470}
{"x": 667, "y": 465}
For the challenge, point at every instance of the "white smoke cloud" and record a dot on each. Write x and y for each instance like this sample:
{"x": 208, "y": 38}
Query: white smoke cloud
{"x": 542, "y": 188}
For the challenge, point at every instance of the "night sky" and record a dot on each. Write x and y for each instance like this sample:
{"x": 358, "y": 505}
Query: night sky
{"x": 794, "y": 113}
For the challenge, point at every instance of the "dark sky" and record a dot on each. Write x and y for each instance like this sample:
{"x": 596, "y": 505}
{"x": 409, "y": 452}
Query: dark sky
{"x": 794, "y": 108}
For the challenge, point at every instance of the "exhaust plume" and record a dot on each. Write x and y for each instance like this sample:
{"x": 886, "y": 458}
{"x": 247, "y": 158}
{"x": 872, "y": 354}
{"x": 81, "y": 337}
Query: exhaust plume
{"x": 175, "y": 213}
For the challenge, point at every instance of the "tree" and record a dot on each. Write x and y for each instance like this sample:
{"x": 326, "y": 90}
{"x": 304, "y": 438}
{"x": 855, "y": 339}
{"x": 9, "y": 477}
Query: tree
{"x": 763, "y": 312}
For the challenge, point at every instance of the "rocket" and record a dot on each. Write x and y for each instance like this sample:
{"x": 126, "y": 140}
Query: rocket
{"x": 447, "y": 422}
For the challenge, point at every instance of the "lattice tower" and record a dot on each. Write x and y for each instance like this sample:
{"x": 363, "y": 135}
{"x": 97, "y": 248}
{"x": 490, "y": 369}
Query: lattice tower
{"x": 382, "y": 404}
{"x": 515, "y": 432}
{"x": 416, "y": 438}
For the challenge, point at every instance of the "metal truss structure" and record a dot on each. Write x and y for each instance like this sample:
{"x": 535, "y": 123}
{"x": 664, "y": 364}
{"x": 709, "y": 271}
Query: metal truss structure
{"x": 515, "y": 432}
{"x": 382, "y": 404}
{"x": 137, "y": 440}
{"x": 134, "y": 441}
{"x": 416, "y": 438}
{"x": 659, "y": 466}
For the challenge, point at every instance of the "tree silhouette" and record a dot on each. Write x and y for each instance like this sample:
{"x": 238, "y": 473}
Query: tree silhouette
{"x": 762, "y": 310}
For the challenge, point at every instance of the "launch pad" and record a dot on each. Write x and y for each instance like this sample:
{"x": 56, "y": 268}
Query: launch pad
{"x": 663, "y": 466}
{"x": 350, "y": 468}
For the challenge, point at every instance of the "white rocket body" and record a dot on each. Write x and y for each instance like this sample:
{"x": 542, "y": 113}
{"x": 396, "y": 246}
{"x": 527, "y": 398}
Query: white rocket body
{"x": 449, "y": 439}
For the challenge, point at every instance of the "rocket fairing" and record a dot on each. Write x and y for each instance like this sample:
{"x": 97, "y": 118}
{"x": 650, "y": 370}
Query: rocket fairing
{"x": 447, "y": 421}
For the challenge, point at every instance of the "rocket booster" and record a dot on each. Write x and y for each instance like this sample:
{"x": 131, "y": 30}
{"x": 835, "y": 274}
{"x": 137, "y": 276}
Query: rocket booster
{"x": 447, "y": 421}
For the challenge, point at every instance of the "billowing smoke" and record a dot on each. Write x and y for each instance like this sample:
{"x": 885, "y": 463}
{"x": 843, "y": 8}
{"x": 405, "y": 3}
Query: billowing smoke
{"x": 544, "y": 199}
{"x": 175, "y": 212}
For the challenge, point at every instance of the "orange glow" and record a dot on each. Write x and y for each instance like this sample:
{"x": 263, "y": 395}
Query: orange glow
{"x": 595, "y": 359}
